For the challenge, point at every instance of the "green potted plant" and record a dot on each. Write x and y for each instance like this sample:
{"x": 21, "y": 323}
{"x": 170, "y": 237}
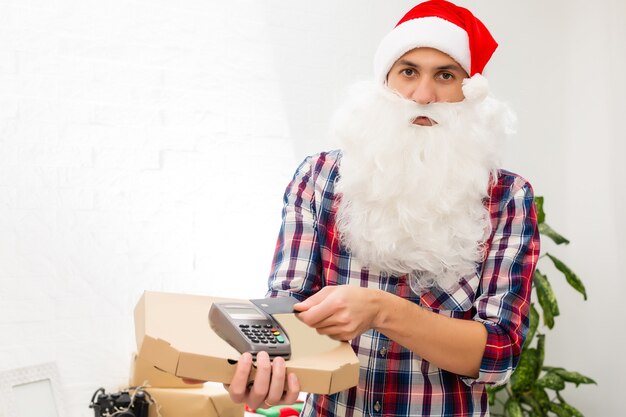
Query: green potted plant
{"x": 535, "y": 388}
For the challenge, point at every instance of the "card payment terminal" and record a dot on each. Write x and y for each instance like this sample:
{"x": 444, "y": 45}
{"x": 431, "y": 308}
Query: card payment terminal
{"x": 249, "y": 329}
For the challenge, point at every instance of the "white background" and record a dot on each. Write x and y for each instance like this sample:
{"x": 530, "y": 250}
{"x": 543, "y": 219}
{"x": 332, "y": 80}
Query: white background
{"x": 145, "y": 145}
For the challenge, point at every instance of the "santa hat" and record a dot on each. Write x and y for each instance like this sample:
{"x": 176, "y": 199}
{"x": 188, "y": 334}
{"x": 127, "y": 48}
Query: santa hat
{"x": 441, "y": 25}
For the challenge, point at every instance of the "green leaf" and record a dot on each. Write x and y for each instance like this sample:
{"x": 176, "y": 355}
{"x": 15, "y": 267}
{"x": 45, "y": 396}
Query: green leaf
{"x": 541, "y": 346}
{"x": 570, "y": 276}
{"x": 559, "y": 410}
{"x": 527, "y": 371}
{"x": 512, "y": 408}
{"x": 575, "y": 377}
{"x": 491, "y": 396}
{"x": 572, "y": 411}
{"x": 541, "y": 216}
{"x": 541, "y": 397}
{"x": 534, "y": 323}
{"x": 546, "y": 298}
{"x": 552, "y": 368}
{"x": 529, "y": 399}
{"x": 546, "y": 230}
{"x": 551, "y": 381}
{"x": 492, "y": 391}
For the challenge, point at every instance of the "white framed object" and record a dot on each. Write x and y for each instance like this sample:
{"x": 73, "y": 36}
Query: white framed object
{"x": 32, "y": 391}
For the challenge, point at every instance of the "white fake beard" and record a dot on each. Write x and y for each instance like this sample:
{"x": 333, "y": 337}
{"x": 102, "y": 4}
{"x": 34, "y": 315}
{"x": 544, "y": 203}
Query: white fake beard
{"x": 412, "y": 197}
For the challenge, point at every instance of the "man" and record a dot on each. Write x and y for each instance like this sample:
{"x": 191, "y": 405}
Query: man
{"x": 410, "y": 242}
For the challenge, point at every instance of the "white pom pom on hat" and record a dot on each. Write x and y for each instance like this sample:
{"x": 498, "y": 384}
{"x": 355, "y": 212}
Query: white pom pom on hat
{"x": 441, "y": 25}
{"x": 475, "y": 88}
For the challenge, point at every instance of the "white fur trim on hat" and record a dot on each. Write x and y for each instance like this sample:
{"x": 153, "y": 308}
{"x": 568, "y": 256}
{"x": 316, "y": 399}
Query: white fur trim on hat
{"x": 475, "y": 88}
{"x": 424, "y": 32}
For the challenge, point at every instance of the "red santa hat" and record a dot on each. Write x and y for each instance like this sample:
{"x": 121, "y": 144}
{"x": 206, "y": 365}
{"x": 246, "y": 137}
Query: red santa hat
{"x": 441, "y": 25}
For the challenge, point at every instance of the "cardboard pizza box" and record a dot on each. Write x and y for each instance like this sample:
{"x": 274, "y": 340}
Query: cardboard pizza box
{"x": 173, "y": 335}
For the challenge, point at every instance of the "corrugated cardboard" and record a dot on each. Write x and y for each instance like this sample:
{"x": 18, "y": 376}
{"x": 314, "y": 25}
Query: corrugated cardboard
{"x": 174, "y": 335}
{"x": 143, "y": 373}
{"x": 212, "y": 400}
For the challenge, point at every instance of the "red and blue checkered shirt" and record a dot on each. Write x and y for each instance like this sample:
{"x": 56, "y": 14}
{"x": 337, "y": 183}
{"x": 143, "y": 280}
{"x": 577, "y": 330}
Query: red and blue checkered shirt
{"x": 393, "y": 380}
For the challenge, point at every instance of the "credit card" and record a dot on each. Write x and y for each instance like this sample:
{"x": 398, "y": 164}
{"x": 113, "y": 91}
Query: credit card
{"x": 277, "y": 305}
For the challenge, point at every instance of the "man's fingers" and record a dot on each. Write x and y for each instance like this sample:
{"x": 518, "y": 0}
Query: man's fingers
{"x": 299, "y": 307}
{"x": 313, "y": 300}
{"x": 277, "y": 386}
{"x": 307, "y": 304}
{"x": 317, "y": 316}
{"x": 293, "y": 389}
{"x": 262, "y": 378}
{"x": 239, "y": 384}
{"x": 269, "y": 382}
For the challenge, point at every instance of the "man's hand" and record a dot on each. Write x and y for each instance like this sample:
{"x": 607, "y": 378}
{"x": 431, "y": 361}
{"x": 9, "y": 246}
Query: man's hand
{"x": 342, "y": 312}
{"x": 269, "y": 382}
{"x": 268, "y": 387}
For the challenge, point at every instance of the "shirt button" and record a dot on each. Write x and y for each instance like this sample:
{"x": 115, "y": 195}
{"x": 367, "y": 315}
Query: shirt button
{"x": 383, "y": 352}
{"x": 377, "y": 407}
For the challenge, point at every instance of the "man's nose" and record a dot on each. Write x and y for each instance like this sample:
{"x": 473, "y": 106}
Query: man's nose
{"x": 424, "y": 92}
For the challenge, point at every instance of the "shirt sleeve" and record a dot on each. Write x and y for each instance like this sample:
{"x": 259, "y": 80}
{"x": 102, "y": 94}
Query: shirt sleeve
{"x": 504, "y": 302}
{"x": 296, "y": 267}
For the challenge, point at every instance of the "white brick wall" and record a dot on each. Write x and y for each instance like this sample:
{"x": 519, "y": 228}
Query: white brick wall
{"x": 146, "y": 145}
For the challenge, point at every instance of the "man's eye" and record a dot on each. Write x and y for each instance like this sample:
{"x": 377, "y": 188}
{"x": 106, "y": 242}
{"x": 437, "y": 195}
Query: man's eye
{"x": 446, "y": 76}
{"x": 409, "y": 72}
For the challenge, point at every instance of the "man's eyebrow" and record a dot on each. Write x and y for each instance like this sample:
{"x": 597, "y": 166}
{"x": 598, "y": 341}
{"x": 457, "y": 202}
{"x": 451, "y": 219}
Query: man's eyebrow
{"x": 448, "y": 67}
{"x": 451, "y": 67}
{"x": 407, "y": 63}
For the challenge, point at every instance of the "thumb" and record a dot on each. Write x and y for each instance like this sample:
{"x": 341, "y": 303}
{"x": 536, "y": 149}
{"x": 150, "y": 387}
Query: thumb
{"x": 303, "y": 306}
{"x": 312, "y": 301}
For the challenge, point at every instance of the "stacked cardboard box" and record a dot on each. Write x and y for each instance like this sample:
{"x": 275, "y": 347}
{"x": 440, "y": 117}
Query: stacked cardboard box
{"x": 175, "y": 398}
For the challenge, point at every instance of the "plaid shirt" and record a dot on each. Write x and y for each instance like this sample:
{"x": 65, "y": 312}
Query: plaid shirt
{"x": 393, "y": 380}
